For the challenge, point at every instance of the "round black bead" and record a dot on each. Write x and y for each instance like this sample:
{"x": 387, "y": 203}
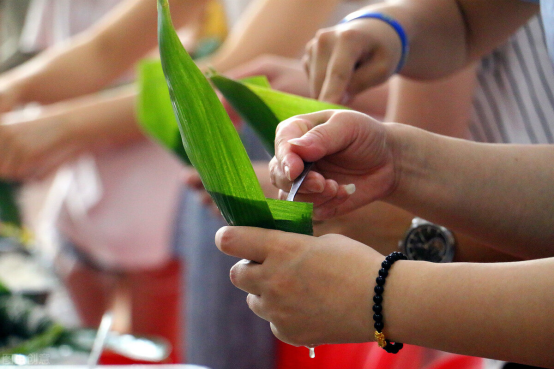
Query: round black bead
{"x": 377, "y": 299}
{"x": 378, "y": 289}
{"x": 380, "y": 280}
{"x": 403, "y": 257}
{"x": 377, "y": 317}
{"x": 385, "y": 264}
{"x": 379, "y": 326}
{"x": 390, "y": 258}
{"x": 383, "y": 273}
{"x": 377, "y": 308}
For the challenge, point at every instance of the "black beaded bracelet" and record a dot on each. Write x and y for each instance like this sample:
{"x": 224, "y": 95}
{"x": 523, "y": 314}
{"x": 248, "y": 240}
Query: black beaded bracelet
{"x": 378, "y": 300}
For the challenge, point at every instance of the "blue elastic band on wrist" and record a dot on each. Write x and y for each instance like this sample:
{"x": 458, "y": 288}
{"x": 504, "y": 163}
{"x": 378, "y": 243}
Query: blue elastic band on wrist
{"x": 394, "y": 24}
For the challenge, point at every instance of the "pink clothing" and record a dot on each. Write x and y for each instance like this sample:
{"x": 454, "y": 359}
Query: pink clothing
{"x": 120, "y": 206}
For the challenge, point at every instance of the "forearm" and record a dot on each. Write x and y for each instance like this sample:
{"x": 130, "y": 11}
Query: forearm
{"x": 500, "y": 311}
{"x": 94, "y": 58}
{"x": 446, "y": 35}
{"x": 497, "y": 193}
{"x": 382, "y": 226}
{"x": 278, "y": 27}
{"x": 90, "y": 121}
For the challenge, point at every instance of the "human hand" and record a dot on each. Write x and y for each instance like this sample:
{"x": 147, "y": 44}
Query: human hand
{"x": 283, "y": 74}
{"x": 8, "y": 96}
{"x": 31, "y": 148}
{"x": 312, "y": 290}
{"x": 343, "y": 60}
{"x": 353, "y": 155}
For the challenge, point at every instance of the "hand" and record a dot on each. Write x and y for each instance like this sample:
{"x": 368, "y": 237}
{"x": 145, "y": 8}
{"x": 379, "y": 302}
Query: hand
{"x": 343, "y": 60}
{"x": 8, "y": 96}
{"x": 353, "y": 155}
{"x": 312, "y": 290}
{"x": 33, "y": 148}
{"x": 283, "y": 74}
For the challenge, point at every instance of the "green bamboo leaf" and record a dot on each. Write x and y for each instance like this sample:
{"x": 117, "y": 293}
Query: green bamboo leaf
{"x": 262, "y": 107}
{"x": 154, "y": 111}
{"x": 251, "y": 108}
{"x": 213, "y": 145}
{"x": 209, "y": 137}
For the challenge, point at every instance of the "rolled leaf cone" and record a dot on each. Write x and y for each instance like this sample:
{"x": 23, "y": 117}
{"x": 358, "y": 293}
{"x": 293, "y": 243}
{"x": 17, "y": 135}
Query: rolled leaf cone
{"x": 213, "y": 145}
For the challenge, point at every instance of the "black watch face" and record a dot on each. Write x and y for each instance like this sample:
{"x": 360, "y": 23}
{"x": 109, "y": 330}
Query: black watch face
{"x": 429, "y": 243}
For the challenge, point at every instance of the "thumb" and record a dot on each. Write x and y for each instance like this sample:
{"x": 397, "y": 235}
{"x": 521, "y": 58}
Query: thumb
{"x": 331, "y": 137}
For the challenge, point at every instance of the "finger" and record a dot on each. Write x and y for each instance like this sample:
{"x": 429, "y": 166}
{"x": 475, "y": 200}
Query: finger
{"x": 290, "y": 164}
{"x": 313, "y": 183}
{"x": 255, "y": 303}
{"x": 330, "y": 208}
{"x": 330, "y": 191}
{"x": 260, "y": 66}
{"x": 342, "y": 129}
{"x": 281, "y": 336}
{"x": 320, "y": 53}
{"x": 370, "y": 73}
{"x": 346, "y": 55}
{"x": 249, "y": 243}
{"x": 245, "y": 275}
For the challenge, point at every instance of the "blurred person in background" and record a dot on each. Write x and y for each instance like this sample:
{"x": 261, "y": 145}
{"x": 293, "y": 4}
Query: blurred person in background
{"x": 116, "y": 191}
{"x": 104, "y": 124}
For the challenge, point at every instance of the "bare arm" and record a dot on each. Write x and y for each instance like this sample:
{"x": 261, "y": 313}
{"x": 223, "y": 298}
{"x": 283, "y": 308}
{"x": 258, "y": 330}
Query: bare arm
{"x": 92, "y": 59}
{"x": 447, "y": 35}
{"x": 33, "y": 147}
{"x": 319, "y": 290}
{"x": 499, "y": 311}
{"x": 443, "y": 35}
{"x": 280, "y": 27}
{"x": 438, "y": 106}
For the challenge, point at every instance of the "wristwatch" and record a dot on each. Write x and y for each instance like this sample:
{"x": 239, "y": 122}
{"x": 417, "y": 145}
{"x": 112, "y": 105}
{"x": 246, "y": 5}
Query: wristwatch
{"x": 426, "y": 241}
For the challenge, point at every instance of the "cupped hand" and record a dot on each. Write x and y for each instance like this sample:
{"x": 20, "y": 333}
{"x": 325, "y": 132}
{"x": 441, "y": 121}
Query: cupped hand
{"x": 353, "y": 155}
{"x": 343, "y": 60}
{"x": 8, "y": 96}
{"x": 313, "y": 290}
{"x": 33, "y": 148}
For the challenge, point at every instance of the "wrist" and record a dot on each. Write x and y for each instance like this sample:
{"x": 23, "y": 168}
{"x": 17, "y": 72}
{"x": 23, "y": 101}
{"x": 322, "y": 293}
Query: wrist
{"x": 410, "y": 152}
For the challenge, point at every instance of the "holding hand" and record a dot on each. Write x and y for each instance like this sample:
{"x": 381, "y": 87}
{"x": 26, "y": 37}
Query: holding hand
{"x": 33, "y": 148}
{"x": 344, "y": 60}
{"x": 312, "y": 290}
{"x": 353, "y": 155}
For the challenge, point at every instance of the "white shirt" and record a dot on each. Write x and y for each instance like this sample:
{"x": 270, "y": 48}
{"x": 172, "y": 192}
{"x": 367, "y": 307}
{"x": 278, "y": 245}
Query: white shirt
{"x": 514, "y": 99}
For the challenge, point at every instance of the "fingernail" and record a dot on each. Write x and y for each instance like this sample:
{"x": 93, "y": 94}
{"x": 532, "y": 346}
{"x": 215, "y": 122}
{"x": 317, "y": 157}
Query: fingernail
{"x": 301, "y": 141}
{"x": 314, "y": 187}
{"x": 350, "y": 189}
{"x": 287, "y": 172}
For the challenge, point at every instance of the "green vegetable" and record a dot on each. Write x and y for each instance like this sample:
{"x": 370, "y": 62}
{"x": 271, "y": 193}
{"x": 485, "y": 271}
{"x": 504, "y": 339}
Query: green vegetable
{"x": 25, "y": 326}
{"x": 213, "y": 145}
{"x": 263, "y": 108}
